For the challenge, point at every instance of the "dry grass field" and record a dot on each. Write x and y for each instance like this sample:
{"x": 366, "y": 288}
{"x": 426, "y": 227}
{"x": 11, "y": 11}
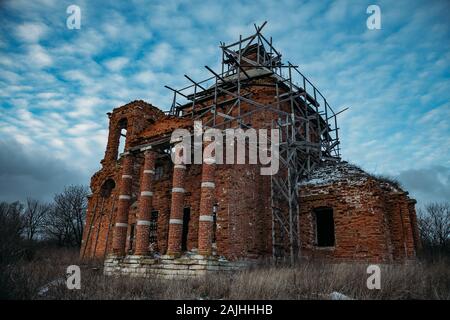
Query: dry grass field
{"x": 43, "y": 277}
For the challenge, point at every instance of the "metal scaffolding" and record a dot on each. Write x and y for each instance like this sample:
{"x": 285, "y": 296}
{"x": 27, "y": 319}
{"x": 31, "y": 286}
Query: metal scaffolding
{"x": 306, "y": 122}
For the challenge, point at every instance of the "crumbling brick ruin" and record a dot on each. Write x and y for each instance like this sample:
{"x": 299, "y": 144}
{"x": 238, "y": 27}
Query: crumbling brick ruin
{"x": 147, "y": 216}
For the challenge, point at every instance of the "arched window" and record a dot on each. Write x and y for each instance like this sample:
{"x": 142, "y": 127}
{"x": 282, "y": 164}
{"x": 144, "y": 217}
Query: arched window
{"x": 107, "y": 188}
{"x": 122, "y": 136}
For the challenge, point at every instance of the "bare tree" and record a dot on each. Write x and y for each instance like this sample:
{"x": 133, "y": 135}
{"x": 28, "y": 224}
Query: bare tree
{"x": 64, "y": 223}
{"x": 34, "y": 218}
{"x": 11, "y": 228}
{"x": 434, "y": 225}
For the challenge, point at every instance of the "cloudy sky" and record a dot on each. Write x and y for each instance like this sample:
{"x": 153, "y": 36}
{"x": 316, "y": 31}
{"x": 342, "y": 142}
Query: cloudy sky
{"x": 57, "y": 84}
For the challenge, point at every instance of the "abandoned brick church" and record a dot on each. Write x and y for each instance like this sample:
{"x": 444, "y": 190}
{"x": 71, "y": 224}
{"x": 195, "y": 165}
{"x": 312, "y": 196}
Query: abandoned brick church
{"x": 147, "y": 216}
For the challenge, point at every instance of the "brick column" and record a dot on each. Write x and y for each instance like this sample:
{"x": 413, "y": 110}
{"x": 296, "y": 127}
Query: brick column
{"x": 121, "y": 226}
{"x": 206, "y": 219}
{"x": 145, "y": 203}
{"x": 176, "y": 210}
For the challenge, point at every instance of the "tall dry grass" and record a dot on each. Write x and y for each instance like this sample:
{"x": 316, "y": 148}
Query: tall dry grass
{"x": 308, "y": 280}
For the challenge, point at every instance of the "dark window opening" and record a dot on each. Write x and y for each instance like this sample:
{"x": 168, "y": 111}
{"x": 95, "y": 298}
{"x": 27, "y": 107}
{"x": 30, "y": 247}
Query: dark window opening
{"x": 158, "y": 173}
{"x": 214, "y": 223}
{"x": 324, "y": 227}
{"x": 107, "y": 188}
{"x": 132, "y": 238}
{"x": 153, "y": 235}
{"x": 184, "y": 236}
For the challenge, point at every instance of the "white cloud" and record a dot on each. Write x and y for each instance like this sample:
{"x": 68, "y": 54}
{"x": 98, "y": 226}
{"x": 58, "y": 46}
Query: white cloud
{"x": 6, "y": 61}
{"x": 84, "y": 106}
{"x": 145, "y": 77}
{"x": 337, "y": 11}
{"x": 10, "y": 76}
{"x": 161, "y": 55}
{"x": 85, "y": 45}
{"x": 435, "y": 114}
{"x": 77, "y": 75}
{"x": 31, "y": 32}
{"x": 38, "y": 57}
{"x": 56, "y": 142}
{"x": 83, "y": 128}
{"x": 116, "y": 64}
{"x": 47, "y": 95}
{"x": 23, "y": 139}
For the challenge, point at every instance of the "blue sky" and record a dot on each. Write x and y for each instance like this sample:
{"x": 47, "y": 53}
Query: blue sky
{"x": 56, "y": 84}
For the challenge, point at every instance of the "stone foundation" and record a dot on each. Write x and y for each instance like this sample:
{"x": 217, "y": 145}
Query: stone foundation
{"x": 168, "y": 267}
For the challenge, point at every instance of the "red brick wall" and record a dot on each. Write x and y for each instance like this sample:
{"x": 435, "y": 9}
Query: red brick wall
{"x": 244, "y": 216}
{"x": 101, "y": 214}
{"x": 371, "y": 221}
{"x": 371, "y": 224}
